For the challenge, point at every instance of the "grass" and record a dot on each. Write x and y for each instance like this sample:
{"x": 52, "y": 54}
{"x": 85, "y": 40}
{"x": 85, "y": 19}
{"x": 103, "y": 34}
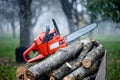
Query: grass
{"x": 113, "y": 59}
{"x": 7, "y": 57}
{"x": 7, "y": 72}
{"x": 8, "y": 46}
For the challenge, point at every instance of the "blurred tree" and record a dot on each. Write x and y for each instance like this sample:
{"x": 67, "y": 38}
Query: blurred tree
{"x": 29, "y": 20}
{"x": 67, "y": 6}
{"x": 37, "y": 8}
{"x": 25, "y": 21}
{"x": 106, "y": 9}
{"x": 8, "y": 15}
{"x": 12, "y": 15}
{"x": 96, "y": 10}
{"x": 75, "y": 13}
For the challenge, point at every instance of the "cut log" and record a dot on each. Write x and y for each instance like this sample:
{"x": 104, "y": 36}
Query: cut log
{"x": 82, "y": 72}
{"x": 65, "y": 69}
{"x": 72, "y": 65}
{"x": 57, "y": 59}
{"x": 92, "y": 56}
{"x": 89, "y": 78}
{"x": 23, "y": 74}
{"x": 89, "y": 40}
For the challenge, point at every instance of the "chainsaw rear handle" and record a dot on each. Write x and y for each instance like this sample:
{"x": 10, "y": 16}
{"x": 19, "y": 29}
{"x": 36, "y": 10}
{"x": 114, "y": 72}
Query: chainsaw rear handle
{"x": 31, "y": 48}
{"x": 28, "y": 51}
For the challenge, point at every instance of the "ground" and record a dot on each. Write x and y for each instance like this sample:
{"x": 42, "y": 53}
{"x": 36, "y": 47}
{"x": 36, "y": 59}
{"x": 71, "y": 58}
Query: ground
{"x": 7, "y": 69}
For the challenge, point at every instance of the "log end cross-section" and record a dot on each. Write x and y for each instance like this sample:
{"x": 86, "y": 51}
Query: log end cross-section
{"x": 23, "y": 74}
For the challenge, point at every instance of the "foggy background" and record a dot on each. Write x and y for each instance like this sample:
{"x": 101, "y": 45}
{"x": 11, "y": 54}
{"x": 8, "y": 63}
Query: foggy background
{"x": 42, "y": 13}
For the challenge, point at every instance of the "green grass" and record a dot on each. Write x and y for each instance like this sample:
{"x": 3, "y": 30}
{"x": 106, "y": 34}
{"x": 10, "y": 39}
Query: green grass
{"x": 7, "y": 57}
{"x": 113, "y": 59}
{"x": 8, "y": 46}
{"x": 7, "y": 72}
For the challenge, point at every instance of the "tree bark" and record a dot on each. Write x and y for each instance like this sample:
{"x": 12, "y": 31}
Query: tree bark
{"x": 57, "y": 59}
{"x": 25, "y": 21}
{"x": 72, "y": 65}
{"x": 82, "y": 72}
{"x": 91, "y": 77}
{"x": 92, "y": 56}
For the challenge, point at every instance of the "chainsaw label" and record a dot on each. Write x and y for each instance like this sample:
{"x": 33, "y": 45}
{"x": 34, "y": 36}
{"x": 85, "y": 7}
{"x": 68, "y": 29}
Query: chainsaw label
{"x": 54, "y": 45}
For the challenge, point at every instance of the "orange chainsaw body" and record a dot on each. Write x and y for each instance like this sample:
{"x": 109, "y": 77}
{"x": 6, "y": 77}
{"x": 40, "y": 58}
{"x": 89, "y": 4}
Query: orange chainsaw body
{"x": 45, "y": 47}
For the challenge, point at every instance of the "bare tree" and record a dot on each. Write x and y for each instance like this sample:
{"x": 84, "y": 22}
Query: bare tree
{"x": 67, "y": 8}
{"x": 25, "y": 21}
{"x": 73, "y": 15}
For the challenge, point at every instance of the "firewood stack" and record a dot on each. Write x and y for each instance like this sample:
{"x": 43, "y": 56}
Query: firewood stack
{"x": 78, "y": 61}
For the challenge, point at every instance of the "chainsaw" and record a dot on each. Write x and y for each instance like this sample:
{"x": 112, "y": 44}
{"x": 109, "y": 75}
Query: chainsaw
{"x": 49, "y": 42}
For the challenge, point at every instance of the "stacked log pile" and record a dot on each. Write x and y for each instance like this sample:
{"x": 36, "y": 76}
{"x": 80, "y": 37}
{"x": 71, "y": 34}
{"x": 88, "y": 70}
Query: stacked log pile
{"x": 78, "y": 61}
